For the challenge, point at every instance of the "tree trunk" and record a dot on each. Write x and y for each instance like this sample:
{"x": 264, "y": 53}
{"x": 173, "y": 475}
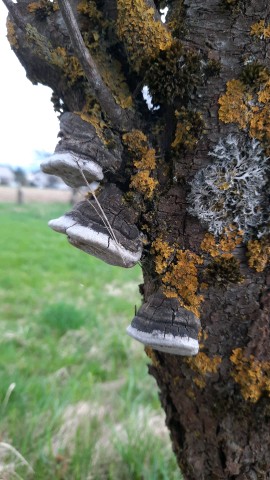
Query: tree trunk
{"x": 203, "y": 217}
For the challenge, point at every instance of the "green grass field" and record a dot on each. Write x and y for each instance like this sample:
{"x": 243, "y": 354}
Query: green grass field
{"x": 76, "y": 401}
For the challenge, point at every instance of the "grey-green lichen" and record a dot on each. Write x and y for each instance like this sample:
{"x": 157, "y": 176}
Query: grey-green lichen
{"x": 232, "y": 190}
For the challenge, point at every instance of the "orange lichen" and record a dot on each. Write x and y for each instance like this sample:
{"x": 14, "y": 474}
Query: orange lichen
{"x": 163, "y": 254}
{"x": 91, "y": 113}
{"x": 89, "y": 8}
{"x": 43, "y": 6}
{"x": 143, "y": 183}
{"x": 112, "y": 74}
{"x": 260, "y": 119}
{"x": 229, "y": 240}
{"x": 203, "y": 366}
{"x": 142, "y": 35}
{"x": 234, "y": 104}
{"x": 252, "y": 375}
{"x": 248, "y": 108}
{"x": 136, "y": 142}
{"x": 225, "y": 268}
{"x": 34, "y": 6}
{"x": 258, "y": 253}
{"x": 110, "y": 68}
{"x": 11, "y": 34}
{"x": 260, "y": 30}
{"x": 210, "y": 246}
{"x": 144, "y": 161}
{"x": 58, "y": 56}
{"x": 152, "y": 355}
{"x": 178, "y": 273}
{"x": 181, "y": 280}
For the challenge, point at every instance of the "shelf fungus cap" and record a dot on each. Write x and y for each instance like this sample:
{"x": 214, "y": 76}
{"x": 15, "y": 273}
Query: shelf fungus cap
{"x": 161, "y": 323}
{"x": 85, "y": 229}
{"x": 80, "y": 149}
{"x": 69, "y": 166}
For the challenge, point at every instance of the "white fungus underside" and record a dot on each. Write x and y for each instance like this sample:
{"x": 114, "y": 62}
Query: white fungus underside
{"x": 71, "y": 160}
{"x": 165, "y": 343}
{"x": 97, "y": 242}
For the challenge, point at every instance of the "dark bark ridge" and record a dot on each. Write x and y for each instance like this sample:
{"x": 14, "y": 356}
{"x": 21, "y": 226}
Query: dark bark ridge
{"x": 214, "y": 82}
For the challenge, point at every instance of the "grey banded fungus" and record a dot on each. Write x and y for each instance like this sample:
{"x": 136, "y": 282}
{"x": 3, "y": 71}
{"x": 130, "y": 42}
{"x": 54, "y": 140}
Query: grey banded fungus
{"x": 70, "y": 166}
{"x": 161, "y": 323}
{"x": 105, "y": 229}
{"x": 79, "y": 150}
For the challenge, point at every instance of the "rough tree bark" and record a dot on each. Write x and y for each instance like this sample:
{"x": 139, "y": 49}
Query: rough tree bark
{"x": 203, "y": 217}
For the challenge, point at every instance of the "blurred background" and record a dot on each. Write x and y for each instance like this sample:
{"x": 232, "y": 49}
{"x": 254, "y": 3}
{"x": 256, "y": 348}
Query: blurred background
{"x": 76, "y": 401}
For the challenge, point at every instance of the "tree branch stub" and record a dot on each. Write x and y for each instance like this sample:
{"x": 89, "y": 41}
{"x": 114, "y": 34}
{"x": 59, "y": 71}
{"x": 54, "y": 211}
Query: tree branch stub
{"x": 115, "y": 114}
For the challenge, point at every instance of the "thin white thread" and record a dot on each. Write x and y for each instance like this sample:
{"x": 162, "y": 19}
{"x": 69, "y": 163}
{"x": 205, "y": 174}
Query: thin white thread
{"x": 101, "y": 215}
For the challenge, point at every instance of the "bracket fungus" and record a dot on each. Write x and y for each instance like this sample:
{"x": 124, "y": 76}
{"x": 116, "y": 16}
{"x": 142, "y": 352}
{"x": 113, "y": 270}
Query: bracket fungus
{"x": 103, "y": 227}
{"x": 161, "y": 323}
{"x": 79, "y": 150}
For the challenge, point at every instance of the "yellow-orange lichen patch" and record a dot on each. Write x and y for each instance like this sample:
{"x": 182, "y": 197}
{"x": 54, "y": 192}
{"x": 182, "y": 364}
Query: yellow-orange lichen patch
{"x": 234, "y": 104}
{"x": 248, "y": 108}
{"x": 43, "y": 6}
{"x": 252, "y": 375}
{"x": 229, "y": 240}
{"x": 112, "y": 74}
{"x": 11, "y": 34}
{"x": 203, "y": 366}
{"x": 142, "y": 35}
{"x": 136, "y": 143}
{"x": 163, "y": 254}
{"x": 260, "y": 118}
{"x": 143, "y": 183}
{"x": 225, "y": 268}
{"x": 260, "y": 30}
{"x": 178, "y": 273}
{"x": 89, "y": 8}
{"x": 181, "y": 280}
{"x": 144, "y": 161}
{"x": 209, "y": 245}
{"x": 152, "y": 355}
{"x": 91, "y": 113}
{"x": 258, "y": 253}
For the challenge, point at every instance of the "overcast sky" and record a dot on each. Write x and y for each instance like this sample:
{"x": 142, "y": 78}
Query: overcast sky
{"x": 28, "y": 121}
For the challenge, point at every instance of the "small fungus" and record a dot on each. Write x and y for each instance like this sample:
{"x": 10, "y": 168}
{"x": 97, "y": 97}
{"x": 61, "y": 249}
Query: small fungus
{"x": 69, "y": 166}
{"x": 164, "y": 325}
{"x": 104, "y": 228}
{"x": 80, "y": 155}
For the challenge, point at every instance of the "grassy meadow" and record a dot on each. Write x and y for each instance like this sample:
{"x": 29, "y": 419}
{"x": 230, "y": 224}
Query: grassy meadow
{"x": 76, "y": 401}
